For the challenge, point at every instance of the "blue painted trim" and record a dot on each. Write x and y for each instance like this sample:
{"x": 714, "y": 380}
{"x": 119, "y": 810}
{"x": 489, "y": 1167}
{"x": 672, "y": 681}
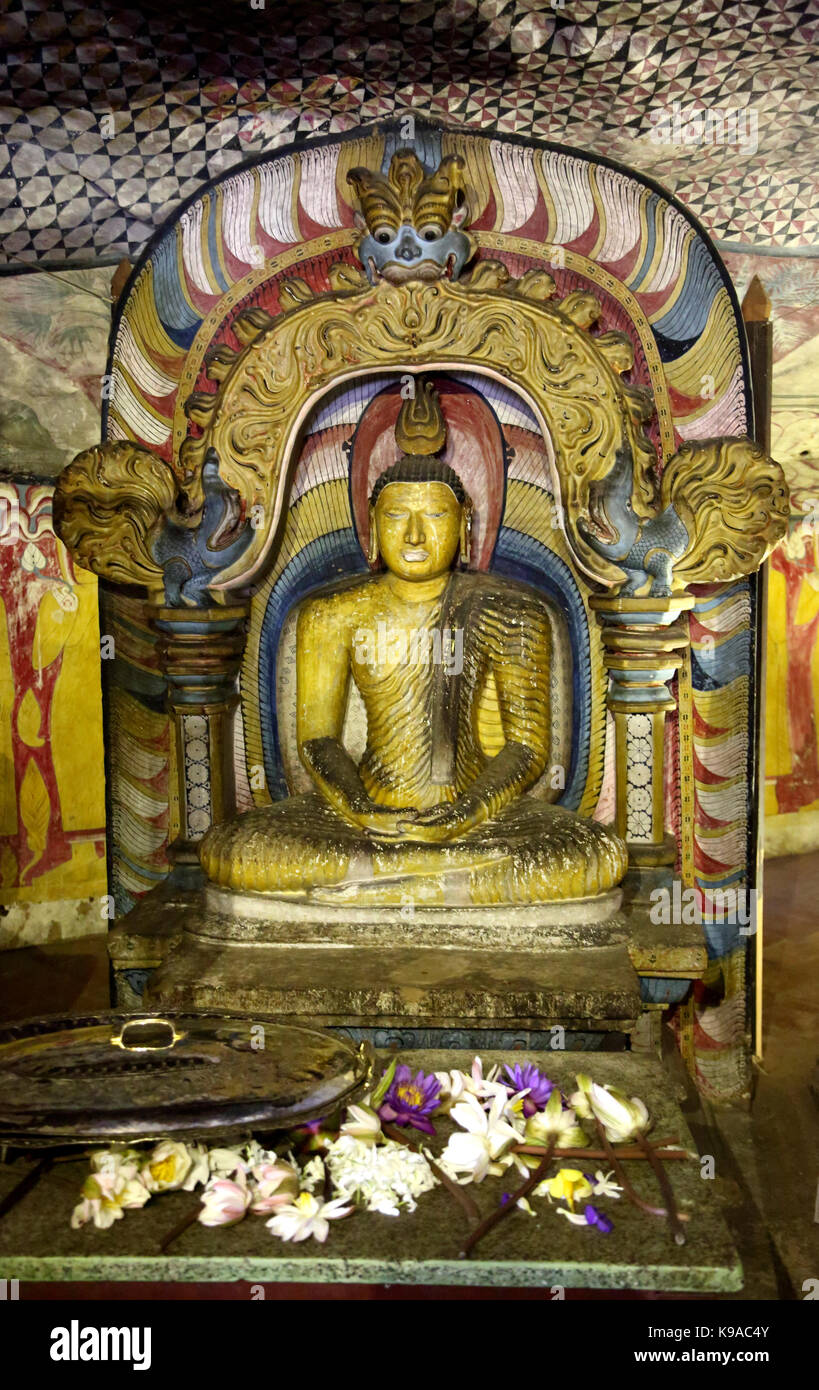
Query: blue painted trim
{"x": 333, "y": 556}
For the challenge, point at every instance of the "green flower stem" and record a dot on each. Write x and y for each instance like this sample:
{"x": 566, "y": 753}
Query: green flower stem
{"x": 500, "y": 1212}
{"x": 460, "y": 1194}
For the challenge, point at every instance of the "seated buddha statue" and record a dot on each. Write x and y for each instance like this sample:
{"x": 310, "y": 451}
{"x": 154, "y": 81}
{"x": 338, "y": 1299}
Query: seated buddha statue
{"x": 452, "y": 667}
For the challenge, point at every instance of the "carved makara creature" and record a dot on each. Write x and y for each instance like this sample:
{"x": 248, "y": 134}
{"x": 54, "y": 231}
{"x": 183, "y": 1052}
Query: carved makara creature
{"x": 437, "y": 811}
{"x": 412, "y": 223}
{"x": 723, "y": 505}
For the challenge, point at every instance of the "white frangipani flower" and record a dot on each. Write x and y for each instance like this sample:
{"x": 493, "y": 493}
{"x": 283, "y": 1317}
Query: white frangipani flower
{"x": 306, "y": 1217}
{"x": 108, "y": 1193}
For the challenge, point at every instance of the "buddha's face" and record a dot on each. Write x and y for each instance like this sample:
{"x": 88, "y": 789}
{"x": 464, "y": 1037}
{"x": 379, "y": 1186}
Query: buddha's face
{"x": 418, "y": 527}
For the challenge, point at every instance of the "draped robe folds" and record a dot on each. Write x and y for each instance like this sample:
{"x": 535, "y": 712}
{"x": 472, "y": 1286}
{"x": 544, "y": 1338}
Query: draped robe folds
{"x": 446, "y": 686}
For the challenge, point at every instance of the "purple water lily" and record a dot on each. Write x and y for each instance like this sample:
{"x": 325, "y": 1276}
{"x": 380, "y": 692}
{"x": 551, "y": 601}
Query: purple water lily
{"x": 410, "y": 1099}
{"x": 527, "y": 1077}
{"x": 596, "y": 1218}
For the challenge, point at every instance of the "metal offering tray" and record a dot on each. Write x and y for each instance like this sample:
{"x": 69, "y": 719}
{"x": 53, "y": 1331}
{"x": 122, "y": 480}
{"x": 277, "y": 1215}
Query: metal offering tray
{"x": 70, "y": 1079}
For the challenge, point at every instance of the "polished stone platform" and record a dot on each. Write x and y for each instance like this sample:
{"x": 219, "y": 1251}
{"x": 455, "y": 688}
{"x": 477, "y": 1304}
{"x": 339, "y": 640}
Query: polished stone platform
{"x": 421, "y": 1248}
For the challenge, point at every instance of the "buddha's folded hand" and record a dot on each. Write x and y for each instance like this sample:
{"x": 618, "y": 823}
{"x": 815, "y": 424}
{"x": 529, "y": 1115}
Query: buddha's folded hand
{"x": 384, "y": 822}
{"x": 446, "y": 821}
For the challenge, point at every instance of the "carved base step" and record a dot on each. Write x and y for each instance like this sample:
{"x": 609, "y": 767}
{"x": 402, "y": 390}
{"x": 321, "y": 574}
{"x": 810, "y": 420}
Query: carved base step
{"x": 264, "y": 919}
{"x": 444, "y": 971}
{"x": 578, "y": 987}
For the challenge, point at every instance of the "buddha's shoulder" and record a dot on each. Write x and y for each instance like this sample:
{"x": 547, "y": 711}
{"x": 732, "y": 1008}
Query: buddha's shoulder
{"x": 486, "y": 591}
{"x": 346, "y": 601}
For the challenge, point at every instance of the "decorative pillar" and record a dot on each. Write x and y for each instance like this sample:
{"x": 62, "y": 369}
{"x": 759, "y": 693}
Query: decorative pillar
{"x": 644, "y": 640}
{"x": 200, "y": 651}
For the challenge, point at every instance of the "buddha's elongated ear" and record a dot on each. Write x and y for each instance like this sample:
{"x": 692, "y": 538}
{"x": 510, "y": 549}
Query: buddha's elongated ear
{"x": 466, "y": 533}
{"x": 372, "y": 548}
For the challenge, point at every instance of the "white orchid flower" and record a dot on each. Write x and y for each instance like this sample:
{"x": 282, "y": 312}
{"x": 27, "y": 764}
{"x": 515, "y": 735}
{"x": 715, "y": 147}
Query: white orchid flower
{"x": 307, "y": 1217}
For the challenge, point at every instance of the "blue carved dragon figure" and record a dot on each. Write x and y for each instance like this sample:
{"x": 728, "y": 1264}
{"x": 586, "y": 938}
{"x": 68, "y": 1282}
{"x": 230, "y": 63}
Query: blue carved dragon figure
{"x": 722, "y": 504}
{"x": 191, "y": 557}
{"x": 643, "y": 548}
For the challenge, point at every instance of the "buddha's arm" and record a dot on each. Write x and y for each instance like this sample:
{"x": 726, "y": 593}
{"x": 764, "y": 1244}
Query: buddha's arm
{"x": 323, "y": 663}
{"x": 322, "y": 683}
{"x": 521, "y": 673}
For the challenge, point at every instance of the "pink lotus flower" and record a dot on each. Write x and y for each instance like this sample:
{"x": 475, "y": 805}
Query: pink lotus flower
{"x": 224, "y": 1201}
{"x": 276, "y": 1186}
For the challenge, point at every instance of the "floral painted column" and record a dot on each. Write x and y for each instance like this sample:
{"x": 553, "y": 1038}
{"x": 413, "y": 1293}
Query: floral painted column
{"x": 644, "y": 640}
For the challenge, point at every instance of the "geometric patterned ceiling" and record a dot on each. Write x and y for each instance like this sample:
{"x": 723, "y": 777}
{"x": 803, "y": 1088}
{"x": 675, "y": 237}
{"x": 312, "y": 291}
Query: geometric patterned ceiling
{"x": 109, "y": 118}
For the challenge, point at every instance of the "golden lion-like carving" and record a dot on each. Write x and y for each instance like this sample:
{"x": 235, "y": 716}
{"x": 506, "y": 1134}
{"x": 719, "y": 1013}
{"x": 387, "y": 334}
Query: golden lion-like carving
{"x": 734, "y": 502}
{"x": 108, "y": 505}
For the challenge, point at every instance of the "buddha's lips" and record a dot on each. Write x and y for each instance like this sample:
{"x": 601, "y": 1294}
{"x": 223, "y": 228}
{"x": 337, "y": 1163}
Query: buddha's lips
{"x": 413, "y": 556}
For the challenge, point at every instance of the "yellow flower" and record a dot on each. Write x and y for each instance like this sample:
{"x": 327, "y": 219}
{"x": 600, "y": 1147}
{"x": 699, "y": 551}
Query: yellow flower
{"x": 569, "y": 1185}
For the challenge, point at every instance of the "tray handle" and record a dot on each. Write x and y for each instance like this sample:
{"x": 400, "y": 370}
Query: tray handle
{"x": 146, "y": 1035}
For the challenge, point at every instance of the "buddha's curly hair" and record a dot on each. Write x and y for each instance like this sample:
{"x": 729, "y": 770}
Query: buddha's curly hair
{"x": 419, "y": 468}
